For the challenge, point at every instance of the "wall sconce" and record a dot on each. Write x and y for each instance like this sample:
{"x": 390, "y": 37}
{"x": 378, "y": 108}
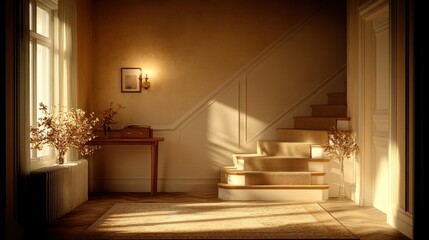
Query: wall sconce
{"x": 146, "y": 83}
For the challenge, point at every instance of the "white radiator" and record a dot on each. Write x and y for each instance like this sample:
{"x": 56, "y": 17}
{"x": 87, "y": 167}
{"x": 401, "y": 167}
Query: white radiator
{"x": 56, "y": 190}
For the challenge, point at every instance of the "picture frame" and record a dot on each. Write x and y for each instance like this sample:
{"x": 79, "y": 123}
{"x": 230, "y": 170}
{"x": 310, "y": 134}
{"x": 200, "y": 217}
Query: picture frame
{"x": 130, "y": 82}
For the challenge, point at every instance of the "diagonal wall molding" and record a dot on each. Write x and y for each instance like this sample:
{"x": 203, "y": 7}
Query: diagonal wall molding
{"x": 268, "y": 51}
{"x": 300, "y": 103}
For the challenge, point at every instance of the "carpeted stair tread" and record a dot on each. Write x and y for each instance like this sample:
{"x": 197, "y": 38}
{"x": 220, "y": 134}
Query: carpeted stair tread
{"x": 309, "y": 186}
{"x": 318, "y": 123}
{"x": 275, "y": 163}
{"x": 322, "y": 118}
{"x": 302, "y": 135}
{"x": 238, "y": 158}
{"x": 337, "y": 98}
{"x": 319, "y": 160}
{"x": 328, "y": 105}
{"x": 278, "y": 178}
{"x": 329, "y": 110}
{"x": 246, "y": 154}
{"x": 243, "y": 172}
{"x": 283, "y": 148}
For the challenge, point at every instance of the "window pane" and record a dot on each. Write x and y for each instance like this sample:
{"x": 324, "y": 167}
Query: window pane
{"x": 44, "y": 80}
{"x": 32, "y": 152}
{"x": 31, "y": 82}
{"x": 31, "y": 16}
{"x": 43, "y": 75}
{"x": 43, "y": 22}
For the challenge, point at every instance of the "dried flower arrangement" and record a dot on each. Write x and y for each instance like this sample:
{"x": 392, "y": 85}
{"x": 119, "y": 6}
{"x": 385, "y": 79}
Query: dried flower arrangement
{"x": 108, "y": 117}
{"x": 342, "y": 144}
{"x": 64, "y": 130}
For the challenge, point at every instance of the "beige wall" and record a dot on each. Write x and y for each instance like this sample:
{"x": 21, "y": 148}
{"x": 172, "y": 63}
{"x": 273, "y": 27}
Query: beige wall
{"x": 84, "y": 53}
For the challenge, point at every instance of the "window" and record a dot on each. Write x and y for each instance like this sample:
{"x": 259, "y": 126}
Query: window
{"x": 52, "y": 70}
{"x": 43, "y": 28}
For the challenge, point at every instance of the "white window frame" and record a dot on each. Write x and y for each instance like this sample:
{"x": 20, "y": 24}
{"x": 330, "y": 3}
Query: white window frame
{"x": 49, "y": 42}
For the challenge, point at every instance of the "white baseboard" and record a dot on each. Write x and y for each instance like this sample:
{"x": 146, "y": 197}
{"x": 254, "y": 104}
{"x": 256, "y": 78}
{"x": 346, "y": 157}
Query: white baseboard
{"x": 401, "y": 221}
{"x": 164, "y": 185}
{"x": 303, "y": 195}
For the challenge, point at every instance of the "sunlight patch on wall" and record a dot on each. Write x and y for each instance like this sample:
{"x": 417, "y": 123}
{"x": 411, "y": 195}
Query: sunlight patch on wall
{"x": 223, "y": 130}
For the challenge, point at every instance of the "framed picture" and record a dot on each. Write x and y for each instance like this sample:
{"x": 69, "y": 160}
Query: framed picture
{"x": 130, "y": 82}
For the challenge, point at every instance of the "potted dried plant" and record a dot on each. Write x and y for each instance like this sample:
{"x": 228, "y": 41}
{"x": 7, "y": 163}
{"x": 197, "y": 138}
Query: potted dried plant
{"x": 108, "y": 117}
{"x": 63, "y": 130}
{"x": 342, "y": 145}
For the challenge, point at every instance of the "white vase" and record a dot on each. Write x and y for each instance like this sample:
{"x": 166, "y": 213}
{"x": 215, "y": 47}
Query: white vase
{"x": 341, "y": 190}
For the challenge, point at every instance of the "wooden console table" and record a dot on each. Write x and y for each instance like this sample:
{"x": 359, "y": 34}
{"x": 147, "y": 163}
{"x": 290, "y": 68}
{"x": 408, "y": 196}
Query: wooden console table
{"x": 117, "y": 140}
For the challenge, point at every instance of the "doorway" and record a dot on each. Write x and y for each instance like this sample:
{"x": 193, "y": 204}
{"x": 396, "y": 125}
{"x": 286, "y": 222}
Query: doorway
{"x": 376, "y": 104}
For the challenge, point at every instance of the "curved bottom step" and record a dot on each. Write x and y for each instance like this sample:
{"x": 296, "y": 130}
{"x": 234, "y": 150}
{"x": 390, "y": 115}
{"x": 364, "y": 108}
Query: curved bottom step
{"x": 307, "y": 193}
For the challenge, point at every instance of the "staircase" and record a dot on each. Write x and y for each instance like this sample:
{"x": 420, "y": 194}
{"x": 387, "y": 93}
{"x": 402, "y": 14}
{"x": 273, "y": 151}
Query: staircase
{"x": 291, "y": 168}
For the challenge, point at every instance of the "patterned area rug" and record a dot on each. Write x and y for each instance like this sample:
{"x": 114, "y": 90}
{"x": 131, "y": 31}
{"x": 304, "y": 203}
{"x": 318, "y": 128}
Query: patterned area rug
{"x": 220, "y": 220}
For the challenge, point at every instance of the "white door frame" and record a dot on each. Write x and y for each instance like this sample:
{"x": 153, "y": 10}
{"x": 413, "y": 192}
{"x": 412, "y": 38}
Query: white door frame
{"x": 364, "y": 171}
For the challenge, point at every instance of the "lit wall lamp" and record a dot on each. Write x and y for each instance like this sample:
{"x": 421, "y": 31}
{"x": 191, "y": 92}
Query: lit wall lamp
{"x": 146, "y": 83}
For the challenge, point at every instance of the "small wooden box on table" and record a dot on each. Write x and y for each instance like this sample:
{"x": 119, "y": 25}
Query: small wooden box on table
{"x": 135, "y": 137}
{"x": 136, "y": 133}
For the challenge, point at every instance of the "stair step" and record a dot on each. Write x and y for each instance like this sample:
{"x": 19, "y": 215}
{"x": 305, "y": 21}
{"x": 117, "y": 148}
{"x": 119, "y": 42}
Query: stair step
{"x": 318, "y": 151}
{"x": 238, "y": 158}
{"x": 337, "y": 98}
{"x": 273, "y": 178}
{"x": 307, "y": 186}
{"x": 314, "y": 165}
{"x": 317, "y": 123}
{"x": 234, "y": 176}
{"x": 319, "y": 160}
{"x": 231, "y": 170}
{"x": 282, "y": 148}
{"x": 275, "y": 163}
{"x": 302, "y": 135}
{"x": 239, "y": 177}
{"x": 329, "y": 110}
{"x": 302, "y": 193}
{"x": 318, "y": 165}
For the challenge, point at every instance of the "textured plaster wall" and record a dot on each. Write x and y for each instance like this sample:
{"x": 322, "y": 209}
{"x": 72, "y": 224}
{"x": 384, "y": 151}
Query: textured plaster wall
{"x": 84, "y": 53}
{"x": 188, "y": 48}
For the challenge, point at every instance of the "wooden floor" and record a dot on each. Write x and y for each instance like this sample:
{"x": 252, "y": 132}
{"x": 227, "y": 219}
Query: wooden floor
{"x": 364, "y": 222}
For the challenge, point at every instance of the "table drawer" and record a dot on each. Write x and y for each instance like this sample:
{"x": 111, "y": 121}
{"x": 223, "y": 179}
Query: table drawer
{"x": 137, "y": 133}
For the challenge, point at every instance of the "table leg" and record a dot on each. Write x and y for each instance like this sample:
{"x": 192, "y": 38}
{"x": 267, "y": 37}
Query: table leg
{"x": 154, "y": 168}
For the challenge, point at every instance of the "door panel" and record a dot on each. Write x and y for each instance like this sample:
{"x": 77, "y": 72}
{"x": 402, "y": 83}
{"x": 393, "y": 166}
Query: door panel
{"x": 377, "y": 103}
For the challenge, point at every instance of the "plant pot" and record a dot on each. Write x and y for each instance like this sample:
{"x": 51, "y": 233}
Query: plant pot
{"x": 106, "y": 130}
{"x": 60, "y": 159}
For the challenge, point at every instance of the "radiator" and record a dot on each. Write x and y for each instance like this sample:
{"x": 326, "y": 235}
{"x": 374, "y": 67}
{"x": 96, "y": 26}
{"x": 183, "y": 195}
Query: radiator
{"x": 56, "y": 190}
